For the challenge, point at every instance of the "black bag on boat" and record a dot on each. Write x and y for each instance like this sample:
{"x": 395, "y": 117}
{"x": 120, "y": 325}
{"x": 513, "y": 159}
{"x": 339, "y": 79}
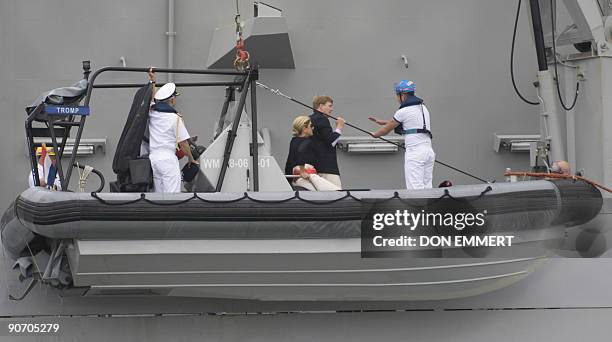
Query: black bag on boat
{"x": 190, "y": 170}
{"x": 140, "y": 171}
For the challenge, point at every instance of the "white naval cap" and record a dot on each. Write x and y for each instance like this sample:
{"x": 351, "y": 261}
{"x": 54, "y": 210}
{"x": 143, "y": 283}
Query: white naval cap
{"x": 166, "y": 92}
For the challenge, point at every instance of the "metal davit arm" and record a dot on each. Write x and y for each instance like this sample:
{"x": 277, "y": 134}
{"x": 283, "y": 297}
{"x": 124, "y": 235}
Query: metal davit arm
{"x": 538, "y": 34}
{"x": 229, "y": 97}
{"x": 231, "y": 137}
{"x": 254, "y": 134}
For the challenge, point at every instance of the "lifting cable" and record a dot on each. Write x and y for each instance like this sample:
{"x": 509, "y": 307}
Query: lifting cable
{"x": 279, "y": 93}
{"x": 518, "y": 11}
{"x": 241, "y": 62}
{"x": 552, "y": 21}
{"x": 557, "y": 176}
{"x": 552, "y": 9}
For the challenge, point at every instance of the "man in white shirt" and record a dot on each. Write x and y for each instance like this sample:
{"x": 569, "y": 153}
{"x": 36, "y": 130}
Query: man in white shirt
{"x": 412, "y": 120}
{"x": 167, "y": 133}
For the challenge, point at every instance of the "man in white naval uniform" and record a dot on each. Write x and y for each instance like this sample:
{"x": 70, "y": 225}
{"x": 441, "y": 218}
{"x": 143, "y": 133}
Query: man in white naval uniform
{"x": 412, "y": 120}
{"x": 167, "y": 132}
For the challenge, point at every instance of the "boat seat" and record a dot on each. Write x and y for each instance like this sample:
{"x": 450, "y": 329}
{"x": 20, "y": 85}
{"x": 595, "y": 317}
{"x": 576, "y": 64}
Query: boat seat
{"x": 128, "y": 164}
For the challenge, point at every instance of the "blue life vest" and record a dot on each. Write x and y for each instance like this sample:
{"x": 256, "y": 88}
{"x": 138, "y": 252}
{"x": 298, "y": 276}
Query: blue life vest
{"x": 413, "y": 101}
{"x": 163, "y": 107}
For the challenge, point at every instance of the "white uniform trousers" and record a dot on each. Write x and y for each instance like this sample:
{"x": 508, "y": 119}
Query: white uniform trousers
{"x": 334, "y": 179}
{"x": 316, "y": 183}
{"x": 418, "y": 166}
{"x": 166, "y": 172}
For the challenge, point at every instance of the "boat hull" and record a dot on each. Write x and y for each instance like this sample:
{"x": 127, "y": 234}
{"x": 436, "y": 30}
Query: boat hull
{"x": 282, "y": 270}
{"x": 282, "y": 246}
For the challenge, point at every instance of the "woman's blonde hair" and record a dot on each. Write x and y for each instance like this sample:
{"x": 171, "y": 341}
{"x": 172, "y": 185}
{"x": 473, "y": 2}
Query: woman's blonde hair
{"x": 299, "y": 124}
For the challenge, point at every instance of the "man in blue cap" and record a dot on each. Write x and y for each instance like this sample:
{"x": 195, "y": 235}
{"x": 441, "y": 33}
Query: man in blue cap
{"x": 167, "y": 133}
{"x": 412, "y": 121}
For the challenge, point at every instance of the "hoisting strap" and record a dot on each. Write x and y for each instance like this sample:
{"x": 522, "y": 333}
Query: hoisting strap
{"x": 241, "y": 62}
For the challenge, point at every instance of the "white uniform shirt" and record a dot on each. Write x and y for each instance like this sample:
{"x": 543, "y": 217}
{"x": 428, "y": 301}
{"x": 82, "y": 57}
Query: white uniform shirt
{"x": 411, "y": 117}
{"x": 163, "y": 130}
{"x": 42, "y": 173}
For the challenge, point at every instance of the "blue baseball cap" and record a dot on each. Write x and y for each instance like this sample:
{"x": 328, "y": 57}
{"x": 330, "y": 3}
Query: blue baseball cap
{"x": 404, "y": 86}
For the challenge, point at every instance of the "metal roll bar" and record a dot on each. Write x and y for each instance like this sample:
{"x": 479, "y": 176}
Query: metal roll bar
{"x": 242, "y": 79}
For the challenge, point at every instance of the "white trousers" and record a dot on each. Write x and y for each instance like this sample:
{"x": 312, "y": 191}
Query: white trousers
{"x": 418, "y": 166}
{"x": 166, "y": 172}
{"x": 316, "y": 183}
{"x": 334, "y": 179}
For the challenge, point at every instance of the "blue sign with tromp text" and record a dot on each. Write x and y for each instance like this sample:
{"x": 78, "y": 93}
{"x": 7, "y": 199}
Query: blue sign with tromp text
{"x": 67, "y": 110}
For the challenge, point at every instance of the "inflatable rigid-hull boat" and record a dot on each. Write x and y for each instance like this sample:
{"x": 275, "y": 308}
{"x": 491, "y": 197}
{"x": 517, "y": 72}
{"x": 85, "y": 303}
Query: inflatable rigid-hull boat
{"x": 277, "y": 245}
